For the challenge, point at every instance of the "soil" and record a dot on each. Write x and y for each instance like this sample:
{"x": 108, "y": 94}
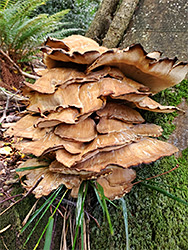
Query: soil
{"x": 10, "y": 78}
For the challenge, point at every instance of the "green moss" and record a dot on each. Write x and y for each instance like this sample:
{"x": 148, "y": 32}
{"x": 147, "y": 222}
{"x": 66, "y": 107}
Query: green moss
{"x": 173, "y": 97}
{"x": 15, "y": 216}
{"x": 155, "y": 221}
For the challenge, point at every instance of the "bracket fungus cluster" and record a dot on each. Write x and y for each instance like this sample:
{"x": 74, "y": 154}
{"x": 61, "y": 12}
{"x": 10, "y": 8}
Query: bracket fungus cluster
{"x": 82, "y": 121}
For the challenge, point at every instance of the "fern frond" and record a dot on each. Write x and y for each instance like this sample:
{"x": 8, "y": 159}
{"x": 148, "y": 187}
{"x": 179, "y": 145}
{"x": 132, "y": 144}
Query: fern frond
{"x": 22, "y": 9}
{"x": 20, "y": 34}
{"x": 24, "y": 30}
{"x": 6, "y": 3}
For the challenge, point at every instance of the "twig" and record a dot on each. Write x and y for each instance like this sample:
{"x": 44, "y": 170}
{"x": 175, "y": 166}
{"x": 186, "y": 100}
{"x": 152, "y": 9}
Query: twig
{"x": 177, "y": 166}
{"x": 28, "y": 215}
{"x": 5, "y": 228}
{"x": 58, "y": 210}
{"x": 14, "y": 108}
{"x": 10, "y": 198}
{"x": 29, "y": 75}
{"x": 88, "y": 214}
{"x": 13, "y": 96}
{"x": 9, "y": 97}
{"x": 6, "y": 108}
{"x": 63, "y": 235}
{"x": 4, "y": 243}
{"x": 71, "y": 230}
{"x": 17, "y": 67}
{"x": 36, "y": 184}
{"x": 88, "y": 235}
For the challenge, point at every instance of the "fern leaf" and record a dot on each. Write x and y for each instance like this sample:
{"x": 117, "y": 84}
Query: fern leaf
{"x": 6, "y": 3}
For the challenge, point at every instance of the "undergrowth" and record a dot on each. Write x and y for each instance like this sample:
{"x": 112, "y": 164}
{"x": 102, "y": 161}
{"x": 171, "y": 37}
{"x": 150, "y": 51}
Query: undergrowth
{"x": 80, "y": 15}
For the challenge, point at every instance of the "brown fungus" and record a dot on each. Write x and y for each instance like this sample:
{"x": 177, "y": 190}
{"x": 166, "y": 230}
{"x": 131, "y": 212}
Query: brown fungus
{"x": 50, "y": 180}
{"x": 157, "y": 74}
{"x": 117, "y": 183}
{"x": 121, "y": 112}
{"x": 82, "y": 117}
{"x": 76, "y": 49}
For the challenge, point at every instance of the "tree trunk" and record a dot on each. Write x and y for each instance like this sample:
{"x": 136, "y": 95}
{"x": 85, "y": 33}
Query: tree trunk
{"x": 111, "y": 21}
{"x": 120, "y": 23}
{"x": 102, "y": 20}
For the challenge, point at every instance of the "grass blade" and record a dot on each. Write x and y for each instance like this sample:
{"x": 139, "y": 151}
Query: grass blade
{"x": 48, "y": 237}
{"x": 82, "y": 231}
{"x": 81, "y": 213}
{"x": 98, "y": 197}
{"x": 164, "y": 184}
{"x": 124, "y": 207}
{"x": 59, "y": 202}
{"x": 101, "y": 191}
{"x": 38, "y": 211}
{"x": 79, "y": 220}
{"x": 30, "y": 168}
{"x": 165, "y": 193}
{"x": 112, "y": 203}
{"x": 49, "y": 220}
{"x": 79, "y": 203}
{"x": 55, "y": 195}
{"x": 108, "y": 216}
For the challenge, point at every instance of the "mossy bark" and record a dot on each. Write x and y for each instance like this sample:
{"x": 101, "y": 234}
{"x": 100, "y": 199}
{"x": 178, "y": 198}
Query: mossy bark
{"x": 155, "y": 221}
{"x": 119, "y": 23}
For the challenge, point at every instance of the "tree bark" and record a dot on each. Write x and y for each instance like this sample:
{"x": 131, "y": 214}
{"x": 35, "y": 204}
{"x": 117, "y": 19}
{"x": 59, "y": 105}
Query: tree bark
{"x": 102, "y": 20}
{"x": 111, "y": 21}
{"x": 120, "y": 23}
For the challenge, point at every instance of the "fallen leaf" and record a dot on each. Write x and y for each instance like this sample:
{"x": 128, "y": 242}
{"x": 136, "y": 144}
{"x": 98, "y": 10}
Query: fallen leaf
{"x": 6, "y": 150}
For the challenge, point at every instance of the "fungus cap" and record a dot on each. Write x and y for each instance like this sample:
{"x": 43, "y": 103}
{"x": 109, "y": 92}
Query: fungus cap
{"x": 157, "y": 74}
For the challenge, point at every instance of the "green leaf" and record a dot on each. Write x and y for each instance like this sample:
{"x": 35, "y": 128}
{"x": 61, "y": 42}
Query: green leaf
{"x": 48, "y": 237}
{"x": 30, "y": 168}
{"x": 22, "y": 31}
{"x": 79, "y": 203}
{"x": 37, "y": 212}
{"x": 164, "y": 184}
{"x": 108, "y": 216}
{"x": 49, "y": 220}
{"x": 98, "y": 197}
{"x": 112, "y": 203}
{"x": 80, "y": 213}
{"x": 165, "y": 193}
{"x": 55, "y": 194}
{"x": 103, "y": 197}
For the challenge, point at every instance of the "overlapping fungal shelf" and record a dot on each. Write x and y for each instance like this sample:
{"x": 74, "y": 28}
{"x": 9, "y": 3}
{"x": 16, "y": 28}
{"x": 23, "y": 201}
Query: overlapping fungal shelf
{"x": 82, "y": 121}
